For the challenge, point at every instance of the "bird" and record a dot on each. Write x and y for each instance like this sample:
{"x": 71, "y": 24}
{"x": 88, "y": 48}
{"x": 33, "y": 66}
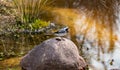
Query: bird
{"x": 62, "y": 31}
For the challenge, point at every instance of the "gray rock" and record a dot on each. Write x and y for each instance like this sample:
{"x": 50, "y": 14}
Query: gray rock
{"x": 54, "y": 54}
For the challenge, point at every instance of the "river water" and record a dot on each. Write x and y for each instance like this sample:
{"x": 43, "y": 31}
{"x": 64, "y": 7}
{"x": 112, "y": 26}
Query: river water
{"x": 90, "y": 32}
{"x": 93, "y": 34}
{"x": 96, "y": 49}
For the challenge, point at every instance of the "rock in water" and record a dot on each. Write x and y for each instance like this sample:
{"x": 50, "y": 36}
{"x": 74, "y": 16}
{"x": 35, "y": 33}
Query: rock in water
{"x": 54, "y": 54}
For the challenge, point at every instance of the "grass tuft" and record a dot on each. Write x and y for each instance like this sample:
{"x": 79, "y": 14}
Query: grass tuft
{"x": 30, "y": 10}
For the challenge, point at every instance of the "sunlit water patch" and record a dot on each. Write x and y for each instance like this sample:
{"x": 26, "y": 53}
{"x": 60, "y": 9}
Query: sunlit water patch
{"x": 94, "y": 36}
{"x": 98, "y": 57}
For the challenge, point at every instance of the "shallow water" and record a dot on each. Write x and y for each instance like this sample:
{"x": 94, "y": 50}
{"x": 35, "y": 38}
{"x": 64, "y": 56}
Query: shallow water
{"x": 92, "y": 36}
{"x": 98, "y": 58}
{"x": 10, "y": 64}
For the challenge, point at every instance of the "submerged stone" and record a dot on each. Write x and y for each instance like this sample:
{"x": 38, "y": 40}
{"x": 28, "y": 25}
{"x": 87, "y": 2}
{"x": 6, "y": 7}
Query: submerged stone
{"x": 54, "y": 54}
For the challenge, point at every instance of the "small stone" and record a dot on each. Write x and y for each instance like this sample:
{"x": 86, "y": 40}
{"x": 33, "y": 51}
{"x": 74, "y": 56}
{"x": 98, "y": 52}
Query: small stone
{"x": 58, "y": 39}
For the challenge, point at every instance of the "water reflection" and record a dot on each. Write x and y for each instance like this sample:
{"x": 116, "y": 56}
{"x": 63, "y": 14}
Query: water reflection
{"x": 17, "y": 44}
{"x": 101, "y": 42}
{"x": 93, "y": 26}
{"x": 96, "y": 32}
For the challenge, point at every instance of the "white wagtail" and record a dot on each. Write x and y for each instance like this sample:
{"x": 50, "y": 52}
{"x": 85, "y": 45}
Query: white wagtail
{"x": 62, "y": 32}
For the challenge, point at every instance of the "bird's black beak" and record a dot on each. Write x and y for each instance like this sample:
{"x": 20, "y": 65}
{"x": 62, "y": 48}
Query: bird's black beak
{"x": 67, "y": 30}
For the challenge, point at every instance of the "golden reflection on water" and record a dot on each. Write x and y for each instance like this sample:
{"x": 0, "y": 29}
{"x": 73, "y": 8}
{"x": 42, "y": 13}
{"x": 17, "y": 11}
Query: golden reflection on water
{"x": 96, "y": 27}
{"x": 10, "y": 64}
{"x": 93, "y": 25}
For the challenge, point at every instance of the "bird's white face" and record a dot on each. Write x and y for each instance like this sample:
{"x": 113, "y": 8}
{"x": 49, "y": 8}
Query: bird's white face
{"x": 60, "y": 34}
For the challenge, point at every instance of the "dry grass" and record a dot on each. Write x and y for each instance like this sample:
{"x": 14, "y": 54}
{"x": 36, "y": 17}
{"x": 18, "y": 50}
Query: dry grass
{"x": 29, "y": 10}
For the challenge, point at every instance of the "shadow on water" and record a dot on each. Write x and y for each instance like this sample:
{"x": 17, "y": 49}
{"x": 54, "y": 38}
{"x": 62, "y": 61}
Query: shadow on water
{"x": 19, "y": 43}
{"x": 93, "y": 27}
